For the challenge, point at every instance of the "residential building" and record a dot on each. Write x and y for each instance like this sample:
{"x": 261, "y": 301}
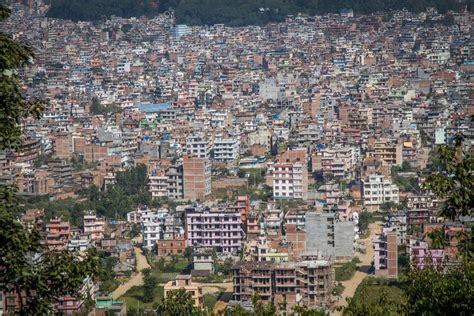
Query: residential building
{"x": 386, "y": 254}
{"x": 94, "y": 226}
{"x": 197, "y": 145}
{"x": 378, "y": 190}
{"x": 307, "y": 282}
{"x": 216, "y": 227}
{"x": 326, "y": 235}
{"x": 290, "y": 180}
{"x": 196, "y": 178}
{"x": 185, "y": 282}
{"x": 57, "y": 234}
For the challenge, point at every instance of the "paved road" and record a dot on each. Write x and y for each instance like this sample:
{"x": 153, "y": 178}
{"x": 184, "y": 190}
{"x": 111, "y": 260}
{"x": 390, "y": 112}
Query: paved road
{"x": 366, "y": 260}
{"x": 137, "y": 278}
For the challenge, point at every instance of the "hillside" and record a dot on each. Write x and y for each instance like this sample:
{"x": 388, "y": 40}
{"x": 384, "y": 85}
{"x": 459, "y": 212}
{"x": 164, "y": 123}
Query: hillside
{"x": 235, "y": 12}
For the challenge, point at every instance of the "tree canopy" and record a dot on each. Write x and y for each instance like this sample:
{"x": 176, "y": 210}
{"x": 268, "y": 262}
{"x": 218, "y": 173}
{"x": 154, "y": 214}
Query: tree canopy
{"x": 233, "y": 12}
{"x": 37, "y": 275}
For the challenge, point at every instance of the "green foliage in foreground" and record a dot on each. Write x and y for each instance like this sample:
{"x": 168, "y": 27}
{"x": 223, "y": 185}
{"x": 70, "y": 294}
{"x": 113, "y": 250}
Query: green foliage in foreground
{"x": 37, "y": 275}
{"x": 453, "y": 181}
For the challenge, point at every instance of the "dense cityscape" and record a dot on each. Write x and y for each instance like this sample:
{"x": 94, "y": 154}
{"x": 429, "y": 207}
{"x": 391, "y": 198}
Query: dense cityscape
{"x": 321, "y": 165}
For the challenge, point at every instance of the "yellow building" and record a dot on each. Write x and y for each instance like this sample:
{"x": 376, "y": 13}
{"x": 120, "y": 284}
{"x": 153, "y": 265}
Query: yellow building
{"x": 183, "y": 281}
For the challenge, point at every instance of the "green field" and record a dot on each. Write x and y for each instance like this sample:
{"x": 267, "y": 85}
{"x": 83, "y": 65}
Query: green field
{"x": 133, "y": 297}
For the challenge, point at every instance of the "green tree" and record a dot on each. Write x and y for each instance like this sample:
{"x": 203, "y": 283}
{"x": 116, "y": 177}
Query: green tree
{"x": 466, "y": 245}
{"x": 437, "y": 239}
{"x": 454, "y": 180}
{"x": 306, "y": 311}
{"x": 178, "y": 302}
{"x": 439, "y": 291}
{"x": 149, "y": 285}
{"x": 39, "y": 276}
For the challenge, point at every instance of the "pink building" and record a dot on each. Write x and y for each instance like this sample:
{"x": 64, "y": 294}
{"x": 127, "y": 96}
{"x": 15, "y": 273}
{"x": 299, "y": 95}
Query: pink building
{"x": 421, "y": 256}
{"x": 57, "y": 234}
{"x": 94, "y": 226}
{"x": 220, "y": 228}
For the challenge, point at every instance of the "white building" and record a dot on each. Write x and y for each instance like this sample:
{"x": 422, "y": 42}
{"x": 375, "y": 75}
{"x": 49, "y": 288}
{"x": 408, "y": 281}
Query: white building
{"x": 197, "y": 146}
{"x": 290, "y": 180}
{"x": 152, "y": 226}
{"x": 378, "y": 190}
{"x": 226, "y": 149}
{"x": 339, "y": 161}
{"x": 158, "y": 184}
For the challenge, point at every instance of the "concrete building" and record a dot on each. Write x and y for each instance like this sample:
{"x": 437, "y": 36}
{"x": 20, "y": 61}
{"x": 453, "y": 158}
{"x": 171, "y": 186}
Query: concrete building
{"x": 57, "y": 234}
{"x": 197, "y": 145}
{"x": 290, "y": 180}
{"x": 328, "y": 236}
{"x": 175, "y": 182}
{"x": 307, "y": 282}
{"x": 202, "y": 259}
{"x": 185, "y": 282}
{"x": 158, "y": 184}
{"x": 226, "y": 149}
{"x": 219, "y": 228}
{"x": 386, "y": 254}
{"x": 196, "y": 178}
{"x": 378, "y": 190}
{"x": 340, "y": 161}
{"x": 94, "y": 226}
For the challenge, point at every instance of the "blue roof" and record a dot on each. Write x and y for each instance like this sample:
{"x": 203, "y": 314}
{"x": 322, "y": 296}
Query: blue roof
{"x": 154, "y": 107}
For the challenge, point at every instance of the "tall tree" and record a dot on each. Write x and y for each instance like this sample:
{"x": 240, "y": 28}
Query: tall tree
{"x": 437, "y": 239}
{"x": 38, "y": 276}
{"x": 453, "y": 180}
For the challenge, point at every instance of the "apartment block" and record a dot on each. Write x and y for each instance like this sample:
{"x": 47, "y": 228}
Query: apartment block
{"x": 378, "y": 190}
{"x": 216, "y": 227}
{"x": 196, "y": 178}
{"x": 290, "y": 180}
{"x": 326, "y": 235}
{"x": 94, "y": 226}
{"x": 307, "y": 282}
{"x": 226, "y": 149}
{"x": 387, "y": 150}
{"x": 386, "y": 254}
{"x": 339, "y": 161}
{"x": 197, "y": 145}
{"x": 57, "y": 233}
{"x": 158, "y": 184}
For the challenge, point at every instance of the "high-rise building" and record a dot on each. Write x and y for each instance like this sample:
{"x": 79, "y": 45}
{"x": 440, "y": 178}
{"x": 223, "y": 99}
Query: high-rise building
{"x": 386, "y": 254}
{"x": 219, "y": 228}
{"x": 196, "y": 178}
{"x": 328, "y": 236}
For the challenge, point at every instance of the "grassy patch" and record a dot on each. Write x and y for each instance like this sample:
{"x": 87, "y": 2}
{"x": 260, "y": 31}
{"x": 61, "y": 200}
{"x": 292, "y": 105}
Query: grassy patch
{"x": 210, "y": 300}
{"x": 372, "y": 291}
{"x": 134, "y": 296}
{"x": 347, "y": 270}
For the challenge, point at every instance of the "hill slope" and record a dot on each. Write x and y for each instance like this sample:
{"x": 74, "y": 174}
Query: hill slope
{"x": 235, "y": 12}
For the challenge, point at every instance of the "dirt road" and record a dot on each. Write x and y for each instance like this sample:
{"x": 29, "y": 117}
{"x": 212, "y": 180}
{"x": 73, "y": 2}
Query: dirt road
{"x": 137, "y": 278}
{"x": 362, "y": 268}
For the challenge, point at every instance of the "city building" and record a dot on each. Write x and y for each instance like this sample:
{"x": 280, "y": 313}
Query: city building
{"x": 217, "y": 227}
{"x": 307, "y": 282}
{"x": 328, "y": 236}
{"x": 196, "y": 178}
{"x": 378, "y": 190}
{"x": 386, "y": 254}
{"x": 185, "y": 282}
